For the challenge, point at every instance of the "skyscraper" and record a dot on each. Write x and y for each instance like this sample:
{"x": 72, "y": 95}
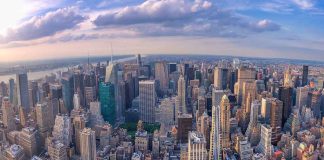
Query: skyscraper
{"x": 112, "y": 77}
{"x": 244, "y": 74}
{"x": 11, "y": 90}
{"x": 161, "y": 75}
{"x": 107, "y": 101}
{"x": 276, "y": 120}
{"x": 88, "y": 144}
{"x": 285, "y": 95}
{"x": 8, "y": 114}
{"x": 197, "y": 146}
{"x": 221, "y": 78}
{"x": 301, "y": 96}
{"x": 182, "y": 94}
{"x": 225, "y": 122}
{"x": 22, "y": 91}
{"x": 62, "y": 130}
{"x": 67, "y": 92}
{"x": 215, "y": 146}
{"x": 265, "y": 145}
{"x": 305, "y": 75}
{"x": 147, "y": 101}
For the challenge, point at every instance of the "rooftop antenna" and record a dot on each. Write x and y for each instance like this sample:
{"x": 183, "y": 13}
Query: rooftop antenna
{"x": 112, "y": 52}
{"x": 88, "y": 62}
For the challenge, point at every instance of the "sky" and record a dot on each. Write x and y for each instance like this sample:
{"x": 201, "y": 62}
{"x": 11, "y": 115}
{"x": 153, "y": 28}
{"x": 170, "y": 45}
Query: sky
{"x": 47, "y": 29}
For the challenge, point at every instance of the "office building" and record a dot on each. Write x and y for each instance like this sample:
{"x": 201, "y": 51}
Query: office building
{"x": 276, "y": 119}
{"x": 301, "y": 96}
{"x": 225, "y": 114}
{"x": 215, "y": 149}
{"x": 182, "y": 96}
{"x": 147, "y": 101}
{"x": 161, "y": 75}
{"x": 67, "y": 92}
{"x": 305, "y": 75}
{"x": 265, "y": 145}
{"x": 285, "y": 95}
{"x": 56, "y": 150}
{"x": 14, "y": 152}
{"x": 107, "y": 101}
{"x": 22, "y": 91}
{"x": 8, "y": 114}
{"x": 197, "y": 146}
{"x": 184, "y": 126}
{"x": 88, "y": 144}
{"x": 62, "y": 130}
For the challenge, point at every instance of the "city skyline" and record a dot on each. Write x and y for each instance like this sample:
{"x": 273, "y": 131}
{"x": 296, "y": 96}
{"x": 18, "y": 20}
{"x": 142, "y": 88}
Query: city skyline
{"x": 61, "y": 29}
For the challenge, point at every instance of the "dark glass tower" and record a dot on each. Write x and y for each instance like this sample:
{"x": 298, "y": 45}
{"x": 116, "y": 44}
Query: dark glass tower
{"x": 67, "y": 91}
{"x": 107, "y": 100}
{"x": 305, "y": 75}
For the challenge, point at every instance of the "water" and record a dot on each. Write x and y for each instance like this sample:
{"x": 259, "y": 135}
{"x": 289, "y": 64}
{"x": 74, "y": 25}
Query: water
{"x": 41, "y": 74}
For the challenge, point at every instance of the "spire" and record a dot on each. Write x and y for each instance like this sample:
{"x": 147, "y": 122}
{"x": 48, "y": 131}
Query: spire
{"x": 111, "y": 53}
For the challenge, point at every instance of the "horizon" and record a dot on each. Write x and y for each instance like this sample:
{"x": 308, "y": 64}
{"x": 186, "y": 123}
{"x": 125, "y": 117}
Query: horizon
{"x": 51, "y": 29}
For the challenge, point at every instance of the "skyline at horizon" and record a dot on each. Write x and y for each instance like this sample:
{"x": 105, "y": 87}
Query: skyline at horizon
{"x": 55, "y": 28}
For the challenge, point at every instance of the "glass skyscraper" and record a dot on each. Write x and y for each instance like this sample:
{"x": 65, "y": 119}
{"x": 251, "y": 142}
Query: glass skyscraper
{"x": 22, "y": 90}
{"x": 107, "y": 100}
{"x": 67, "y": 91}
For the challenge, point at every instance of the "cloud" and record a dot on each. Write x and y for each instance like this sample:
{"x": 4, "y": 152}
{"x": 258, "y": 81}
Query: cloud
{"x": 152, "y": 11}
{"x": 304, "y": 4}
{"x": 182, "y": 17}
{"x": 43, "y": 26}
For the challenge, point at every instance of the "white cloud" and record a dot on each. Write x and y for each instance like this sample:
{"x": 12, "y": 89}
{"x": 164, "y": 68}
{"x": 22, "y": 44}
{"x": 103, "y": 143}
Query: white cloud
{"x": 304, "y": 4}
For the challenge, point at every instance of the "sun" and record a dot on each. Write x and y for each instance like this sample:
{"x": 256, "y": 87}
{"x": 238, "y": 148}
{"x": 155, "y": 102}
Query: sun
{"x": 12, "y": 12}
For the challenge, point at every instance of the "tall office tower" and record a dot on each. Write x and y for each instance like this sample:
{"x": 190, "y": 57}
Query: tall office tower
{"x": 67, "y": 92}
{"x": 244, "y": 74}
{"x": 88, "y": 144}
{"x": 76, "y": 101}
{"x": 184, "y": 126}
{"x": 288, "y": 79}
{"x": 265, "y": 145}
{"x": 14, "y": 152}
{"x": 107, "y": 101}
{"x": 197, "y": 146}
{"x": 301, "y": 96}
{"x": 203, "y": 126}
{"x": 43, "y": 121}
{"x": 120, "y": 111}
{"x": 295, "y": 123}
{"x": 305, "y": 75}
{"x": 172, "y": 67}
{"x": 79, "y": 123}
{"x": 217, "y": 97}
{"x": 62, "y": 130}
{"x": 147, "y": 101}
{"x": 33, "y": 93}
{"x": 225, "y": 114}
{"x": 285, "y": 95}
{"x": 314, "y": 102}
{"x": 28, "y": 140}
{"x": 78, "y": 83}
{"x": 22, "y": 91}
{"x": 245, "y": 149}
{"x": 11, "y": 90}
{"x": 201, "y": 106}
{"x": 265, "y": 108}
{"x": 221, "y": 78}
{"x": 55, "y": 91}
{"x": 139, "y": 60}
{"x": 182, "y": 96}
{"x": 161, "y": 74}
{"x": 167, "y": 111}
{"x": 276, "y": 119}
{"x": 215, "y": 149}
{"x": 8, "y": 114}
{"x": 112, "y": 77}
{"x": 253, "y": 118}
{"x": 57, "y": 150}
{"x": 96, "y": 116}
{"x": 90, "y": 95}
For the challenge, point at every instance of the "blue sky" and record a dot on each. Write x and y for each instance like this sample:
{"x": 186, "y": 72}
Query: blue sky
{"x": 41, "y": 29}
